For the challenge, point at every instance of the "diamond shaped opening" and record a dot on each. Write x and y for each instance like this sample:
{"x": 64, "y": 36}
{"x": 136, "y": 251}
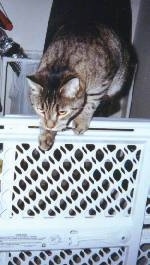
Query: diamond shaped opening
{"x": 76, "y": 175}
{"x": 57, "y": 154}
{"x": 67, "y": 165}
{"x": 87, "y": 165}
{"x": 34, "y": 175}
{"x": 111, "y": 148}
{"x": 44, "y": 185}
{"x": 120, "y": 155}
{"x": 46, "y": 165}
{"x": 90, "y": 147}
{"x": 117, "y": 174}
{"x": 36, "y": 154}
{"x": 99, "y": 155}
{"x": 108, "y": 165}
{"x": 78, "y": 155}
{"x": 24, "y": 165}
{"x": 128, "y": 165}
{"x": 55, "y": 175}
{"x": 64, "y": 184}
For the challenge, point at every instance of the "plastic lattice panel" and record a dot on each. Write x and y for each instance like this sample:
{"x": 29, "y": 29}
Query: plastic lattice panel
{"x": 103, "y": 256}
{"x": 71, "y": 180}
{"x": 148, "y": 206}
{"x": 144, "y": 254}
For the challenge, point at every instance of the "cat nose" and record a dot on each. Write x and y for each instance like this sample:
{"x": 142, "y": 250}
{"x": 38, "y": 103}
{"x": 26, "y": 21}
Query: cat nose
{"x": 50, "y": 124}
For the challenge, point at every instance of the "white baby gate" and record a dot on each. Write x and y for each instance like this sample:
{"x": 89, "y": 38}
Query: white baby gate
{"x": 83, "y": 202}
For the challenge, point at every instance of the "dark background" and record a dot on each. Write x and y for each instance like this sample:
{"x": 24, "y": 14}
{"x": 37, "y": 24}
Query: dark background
{"x": 114, "y": 13}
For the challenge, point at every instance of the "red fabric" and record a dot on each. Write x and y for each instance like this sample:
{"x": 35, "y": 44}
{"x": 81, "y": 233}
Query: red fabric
{"x": 5, "y": 23}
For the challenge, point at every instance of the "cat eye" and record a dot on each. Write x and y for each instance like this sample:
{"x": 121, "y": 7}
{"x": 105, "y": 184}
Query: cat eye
{"x": 41, "y": 111}
{"x": 62, "y": 112}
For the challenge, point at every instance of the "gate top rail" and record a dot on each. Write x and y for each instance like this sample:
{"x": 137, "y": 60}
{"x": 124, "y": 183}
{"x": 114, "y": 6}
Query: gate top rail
{"x": 105, "y": 127}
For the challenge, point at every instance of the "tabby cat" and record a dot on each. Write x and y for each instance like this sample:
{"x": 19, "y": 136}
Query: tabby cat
{"x": 82, "y": 65}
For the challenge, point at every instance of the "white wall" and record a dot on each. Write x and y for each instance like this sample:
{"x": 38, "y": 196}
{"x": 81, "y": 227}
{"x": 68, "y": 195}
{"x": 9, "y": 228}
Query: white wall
{"x": 135, "y": 5}
{"x": 29, "y": 18}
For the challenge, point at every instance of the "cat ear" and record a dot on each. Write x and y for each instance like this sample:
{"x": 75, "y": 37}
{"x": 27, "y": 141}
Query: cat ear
{"x": 33, "y": 83}
{"x": 71, "y": 88}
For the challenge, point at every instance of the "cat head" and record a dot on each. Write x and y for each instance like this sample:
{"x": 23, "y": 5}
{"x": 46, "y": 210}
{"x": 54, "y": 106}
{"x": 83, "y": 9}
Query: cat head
{"x": 56, "y": 102}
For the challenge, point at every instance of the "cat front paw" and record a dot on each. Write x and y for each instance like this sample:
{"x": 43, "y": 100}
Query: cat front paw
{"x": 46, "y": 140}
{"x": 80, "y": 127}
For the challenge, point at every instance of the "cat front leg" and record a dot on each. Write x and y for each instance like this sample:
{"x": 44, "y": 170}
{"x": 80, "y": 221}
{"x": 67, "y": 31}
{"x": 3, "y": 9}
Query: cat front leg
{"x": 46, "y": 139}
{"x": 80, "y": 125}
{"x": 82, "y": 122}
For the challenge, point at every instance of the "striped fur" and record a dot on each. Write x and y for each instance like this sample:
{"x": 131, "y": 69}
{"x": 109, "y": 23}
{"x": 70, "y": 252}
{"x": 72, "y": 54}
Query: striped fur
{"x": 81, "y": 66}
